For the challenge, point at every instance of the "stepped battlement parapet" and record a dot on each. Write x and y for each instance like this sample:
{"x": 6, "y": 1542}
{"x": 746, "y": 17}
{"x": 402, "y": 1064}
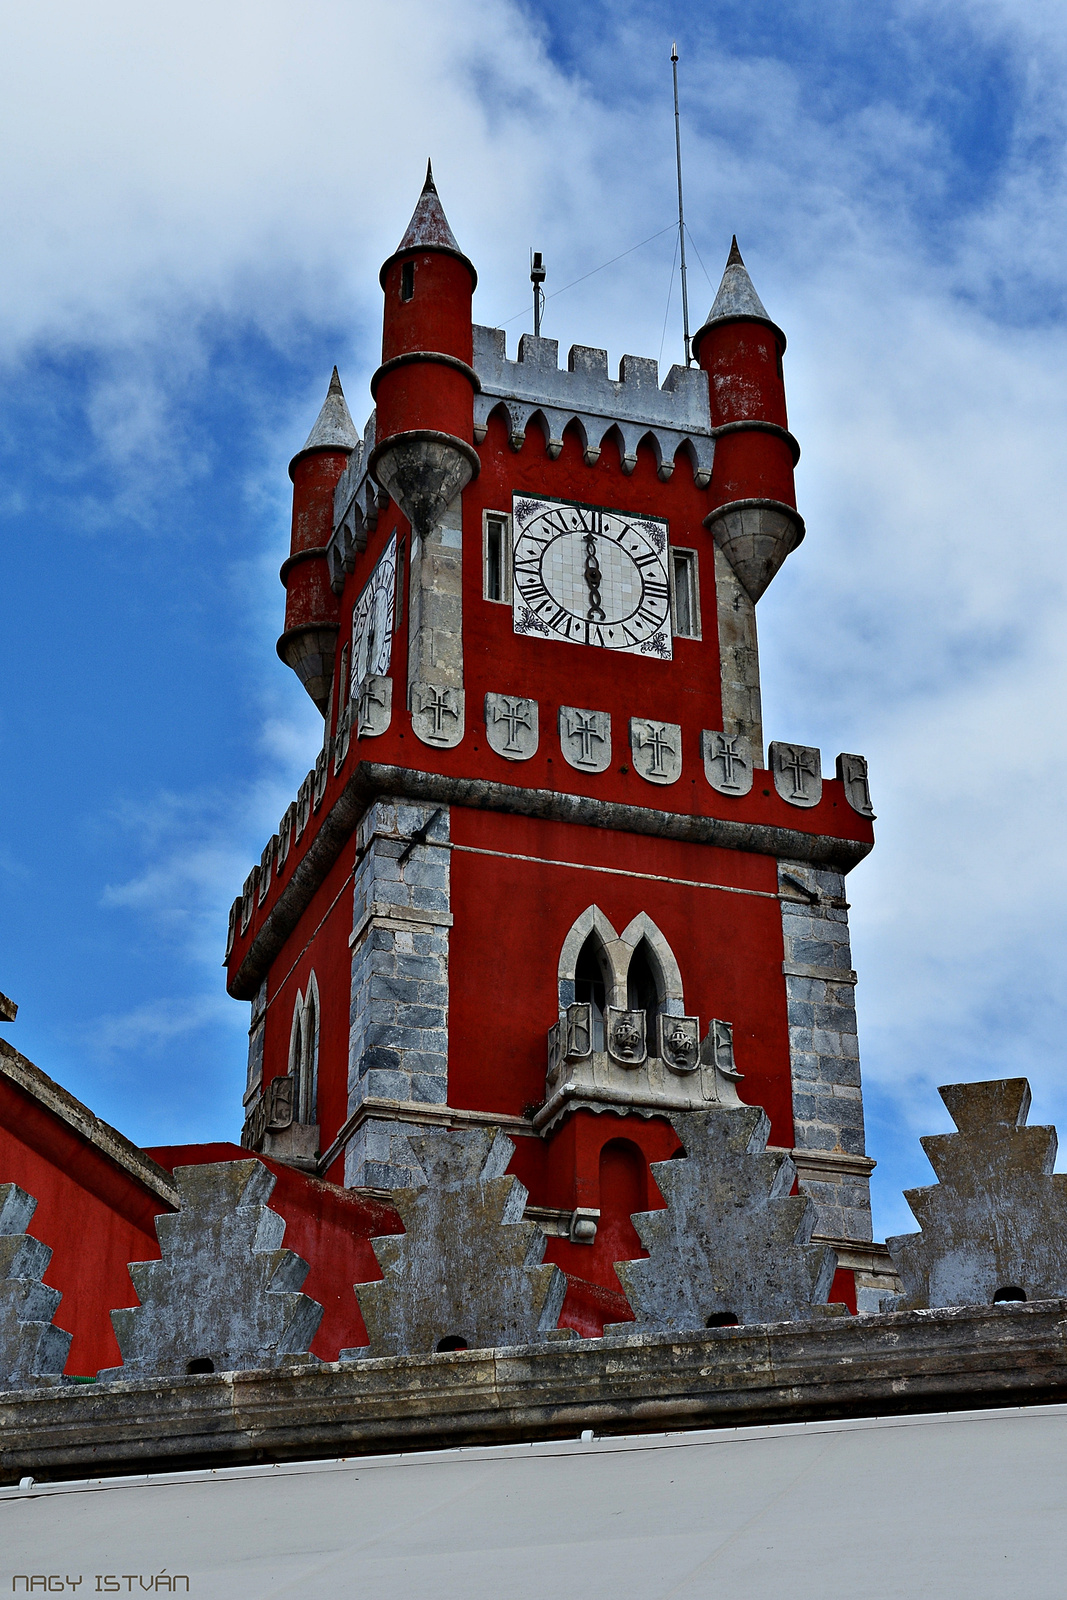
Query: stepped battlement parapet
{"x": 634, "y": 405}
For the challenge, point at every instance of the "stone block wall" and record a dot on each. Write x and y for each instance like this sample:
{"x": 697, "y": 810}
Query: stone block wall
{"x": 830, "y": 1151}
{"x": 398, "y": 1050}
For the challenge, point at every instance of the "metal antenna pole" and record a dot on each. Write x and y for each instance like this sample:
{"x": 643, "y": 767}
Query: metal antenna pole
{"x": 537, "y": 278}
{"x": 681, "y": 214}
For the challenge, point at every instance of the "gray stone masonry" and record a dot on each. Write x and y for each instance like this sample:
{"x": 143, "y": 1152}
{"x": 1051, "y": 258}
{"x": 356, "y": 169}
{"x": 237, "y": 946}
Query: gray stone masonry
{"x": 910, "y": 1363}
{"x": 732, "y": 1242}
{"x": 224, "y": 1291}
{"x": 824, "y": 1050}
{"x": 399, "y": 1011}
{"x": 634, "y": 406}
{"x": 995, "y": 1224}
{"x": 32, "y": 1350}
{"x": 739, "y": 657}
{"x": 467, "y": 1266}
{"x": 435, "y": 608}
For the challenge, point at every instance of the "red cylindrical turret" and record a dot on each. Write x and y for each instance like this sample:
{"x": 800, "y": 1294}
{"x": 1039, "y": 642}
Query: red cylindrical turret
{"x": 312, "y": 611}
{"x": 755, "y": 520}
{"x": 425, "y": 385}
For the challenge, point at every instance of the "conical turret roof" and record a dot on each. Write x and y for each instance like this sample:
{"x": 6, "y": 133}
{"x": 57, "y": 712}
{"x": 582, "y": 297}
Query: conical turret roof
{"x": 334, "y": 428}
{"x": 428, "y": 224}
{"x": 428, "y": 228}
{"x": 737, "y": 296}
{"x": 736, "y": 299}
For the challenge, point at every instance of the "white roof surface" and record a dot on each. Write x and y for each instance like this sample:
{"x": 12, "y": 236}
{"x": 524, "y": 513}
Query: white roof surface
{"x": 966, "y": 1504}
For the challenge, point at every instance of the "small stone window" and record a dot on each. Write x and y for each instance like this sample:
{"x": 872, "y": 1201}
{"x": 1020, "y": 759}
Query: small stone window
{"x": 1009, "y": 1295}
{"x": 685, "y": 597}
{"x": 407, "y": 280}
{"x": 496, "y": 557}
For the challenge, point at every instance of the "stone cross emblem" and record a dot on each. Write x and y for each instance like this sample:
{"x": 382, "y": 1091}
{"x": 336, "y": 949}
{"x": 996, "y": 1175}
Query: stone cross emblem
{"x": 852, "y": 770}
{"x": 797, "y": 770}
{"x": 375, "y": 706}
{"x": 511, "y": 726}
{"x": 437, "y": 714}
{"x": 657, "y": 750}
{"x": 727, "y": 762}
{"x": 585, "y": 738}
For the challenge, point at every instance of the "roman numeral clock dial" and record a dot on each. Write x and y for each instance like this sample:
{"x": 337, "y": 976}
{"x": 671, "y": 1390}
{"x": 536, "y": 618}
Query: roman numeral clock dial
{"x": 590, "y": 576}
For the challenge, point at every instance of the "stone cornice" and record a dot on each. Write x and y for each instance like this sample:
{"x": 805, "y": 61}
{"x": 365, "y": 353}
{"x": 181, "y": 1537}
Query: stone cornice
{"x": 904, "y": 1363}
{"x": 371, "y": 779}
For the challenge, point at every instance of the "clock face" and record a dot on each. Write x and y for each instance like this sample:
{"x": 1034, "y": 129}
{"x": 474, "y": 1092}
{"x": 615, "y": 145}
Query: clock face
{"x": 591, "y": 576}
{"x": 372, "y": 620}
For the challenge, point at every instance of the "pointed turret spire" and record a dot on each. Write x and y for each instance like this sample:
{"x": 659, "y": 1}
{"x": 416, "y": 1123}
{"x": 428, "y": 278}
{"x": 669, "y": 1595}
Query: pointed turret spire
{"x": 737, "y": 296}
{"x": 334, "y": 428}
{"x": 428, "y": 228}
{"x": 428, "y": 224}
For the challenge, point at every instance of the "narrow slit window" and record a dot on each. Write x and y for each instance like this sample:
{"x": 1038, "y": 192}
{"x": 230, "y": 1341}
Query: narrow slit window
{"x": 684, "y": 588}
{"x": 590, "y": 988}
{"x": 496, "y": 559}
{"x": 407, "y": 280}
{"x": 642, "y": 990}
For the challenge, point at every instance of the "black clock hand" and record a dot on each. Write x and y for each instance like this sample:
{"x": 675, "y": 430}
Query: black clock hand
{"x": 593, "y": 576}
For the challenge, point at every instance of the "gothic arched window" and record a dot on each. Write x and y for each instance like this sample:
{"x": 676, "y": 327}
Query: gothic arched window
{"x": 304, "y": 1053}
{"x": 643, "y": 987}
{"x": 590, "y": 985}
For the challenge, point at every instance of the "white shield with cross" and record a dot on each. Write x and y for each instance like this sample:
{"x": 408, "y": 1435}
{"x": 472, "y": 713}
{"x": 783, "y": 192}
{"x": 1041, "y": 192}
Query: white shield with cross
{"x": 656, "y": 749}
{"x": 585, "y": 738}
{"x": 437, "y": 714}
{"x": 727, "y": 762}
{"x": 511, "y": 726}
{"x": 797, "y": 770}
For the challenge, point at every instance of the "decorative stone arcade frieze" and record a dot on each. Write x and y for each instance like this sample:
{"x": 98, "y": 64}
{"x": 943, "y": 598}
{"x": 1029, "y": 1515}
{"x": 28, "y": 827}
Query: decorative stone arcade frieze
{"x": 398, "y": 1052}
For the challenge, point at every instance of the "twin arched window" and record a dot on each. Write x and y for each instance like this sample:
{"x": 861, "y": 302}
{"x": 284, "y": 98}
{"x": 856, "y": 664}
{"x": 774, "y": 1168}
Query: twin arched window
{"x": 635, "y": 970}
{"x": 304, "y": 1053}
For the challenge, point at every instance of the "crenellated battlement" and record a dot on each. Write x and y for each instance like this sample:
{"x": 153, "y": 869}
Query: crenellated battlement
{"x": 634, "y": 406}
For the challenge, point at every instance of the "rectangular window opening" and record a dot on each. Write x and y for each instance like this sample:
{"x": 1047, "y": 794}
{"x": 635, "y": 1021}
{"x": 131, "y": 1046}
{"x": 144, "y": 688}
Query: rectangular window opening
{"x": 684, "y": 594}
{"x": 407, "y": 280}
{"x": 496, "y": 567}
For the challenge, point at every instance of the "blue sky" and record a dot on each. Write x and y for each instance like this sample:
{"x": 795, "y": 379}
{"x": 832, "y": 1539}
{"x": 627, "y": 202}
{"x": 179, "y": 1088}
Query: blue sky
{"x": 194, "y": 202}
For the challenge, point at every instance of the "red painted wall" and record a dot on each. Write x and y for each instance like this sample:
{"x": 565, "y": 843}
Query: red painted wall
{"x": 92, "y": 1215}
{"x": 319, "y": 942}
{"x": 511, "y": 918}
{"x": 555, "y": 673}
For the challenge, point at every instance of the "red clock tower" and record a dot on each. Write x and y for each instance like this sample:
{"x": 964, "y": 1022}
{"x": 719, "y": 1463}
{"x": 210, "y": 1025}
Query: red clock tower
{"x": 545, "y": 874}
